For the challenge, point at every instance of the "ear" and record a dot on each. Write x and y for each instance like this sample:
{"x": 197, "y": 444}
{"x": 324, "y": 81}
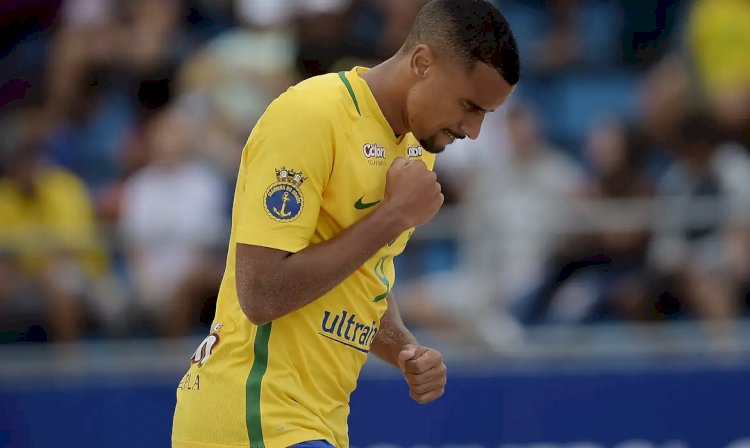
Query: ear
{"x": 422, "y": 58}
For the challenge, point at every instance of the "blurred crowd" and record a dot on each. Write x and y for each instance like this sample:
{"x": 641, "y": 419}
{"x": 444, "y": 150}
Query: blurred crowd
{"x": 614, "y": 186}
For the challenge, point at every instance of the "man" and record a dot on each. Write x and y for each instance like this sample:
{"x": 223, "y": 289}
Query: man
{"x": 332, "y": 182}
{"x": 49, "y": 247}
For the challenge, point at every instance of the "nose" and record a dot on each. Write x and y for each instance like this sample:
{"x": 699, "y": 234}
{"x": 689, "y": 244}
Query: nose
{"x": 472, "y": 125}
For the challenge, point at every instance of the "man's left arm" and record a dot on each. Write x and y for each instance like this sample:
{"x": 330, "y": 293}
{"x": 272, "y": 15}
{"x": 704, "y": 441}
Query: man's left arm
{"x": 423, "y": 367}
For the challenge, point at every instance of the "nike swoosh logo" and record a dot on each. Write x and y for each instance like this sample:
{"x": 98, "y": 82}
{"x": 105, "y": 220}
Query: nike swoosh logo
{"x": 359, "y": 205}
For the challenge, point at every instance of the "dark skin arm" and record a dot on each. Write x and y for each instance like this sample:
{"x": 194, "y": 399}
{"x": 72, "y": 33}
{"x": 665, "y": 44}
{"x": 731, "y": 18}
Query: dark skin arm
{"x": 392, "y": 335}
{"x": 272, "y": 283}
{"x": 423, "y": 367}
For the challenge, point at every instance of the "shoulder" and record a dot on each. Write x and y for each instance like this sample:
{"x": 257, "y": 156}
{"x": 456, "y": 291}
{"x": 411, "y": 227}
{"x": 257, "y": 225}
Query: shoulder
{"x": 61, "y": 186}
{"x": 61, "y": 179}
{"x": 319, "y": 101}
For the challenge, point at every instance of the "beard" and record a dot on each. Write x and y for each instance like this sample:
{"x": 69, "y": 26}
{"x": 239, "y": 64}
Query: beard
{"x": 430, "y": 145}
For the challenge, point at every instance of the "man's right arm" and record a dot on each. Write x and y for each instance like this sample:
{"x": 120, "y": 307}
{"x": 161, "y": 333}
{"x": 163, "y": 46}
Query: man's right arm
{"x": 272, "y": 283}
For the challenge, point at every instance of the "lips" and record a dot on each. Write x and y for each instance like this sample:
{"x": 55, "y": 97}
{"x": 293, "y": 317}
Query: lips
{"x": 450, "y": 136}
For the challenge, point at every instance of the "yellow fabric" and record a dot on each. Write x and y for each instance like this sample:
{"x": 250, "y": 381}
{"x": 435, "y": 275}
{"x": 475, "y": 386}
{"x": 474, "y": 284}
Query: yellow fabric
{"x": 314, "y": 354}
{"x": 719, "y": 36}
{"x": 58, "y": 218}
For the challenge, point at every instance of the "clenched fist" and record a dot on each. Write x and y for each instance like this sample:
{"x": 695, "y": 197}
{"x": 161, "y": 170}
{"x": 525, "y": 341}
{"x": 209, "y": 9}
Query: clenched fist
{"x": 412, "y": 192}
{"x": 424, "y": 371}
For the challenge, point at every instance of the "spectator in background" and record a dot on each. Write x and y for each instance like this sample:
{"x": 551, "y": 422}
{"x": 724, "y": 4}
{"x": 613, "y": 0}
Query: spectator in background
{"x": 111, "y": 65}
{"x": 151, "y": 46}
{"x": 173, "y": 222}
{"x": 398, "y": 16}
{"x": 561, "y": 47}
{"x": 229, "y": 82}
{"x": 86, "y": 38}
{"x": 665, "y": 97}
{"x": 322, "y": 27}
{"x": 335, "y": 35}
{"x": 90, "y": 115}
{"x": 618, "y": 156}
{"x": 52, "y": 261}
{"x": 87, "y": 140}
{"x": 518, "y": 208}
{"x": 692, "y": 250}
{"x": 718, "y": 37}
{"x": 647, "y": 29}
{"x": 515, "y": 201}
{"x": 599, "y": 268}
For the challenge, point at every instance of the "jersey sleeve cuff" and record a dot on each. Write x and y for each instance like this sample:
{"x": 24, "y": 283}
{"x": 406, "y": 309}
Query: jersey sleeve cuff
{"x": 287, "y": 243}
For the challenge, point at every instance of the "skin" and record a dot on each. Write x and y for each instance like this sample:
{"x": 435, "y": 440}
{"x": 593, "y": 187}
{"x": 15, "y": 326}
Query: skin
{"x": 432, "y": 96}
{"x": 438, "y": 99}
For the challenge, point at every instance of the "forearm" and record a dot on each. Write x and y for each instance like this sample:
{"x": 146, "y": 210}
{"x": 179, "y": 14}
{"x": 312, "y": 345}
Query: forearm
{"x": 392, "y": 335}
{"x": 269, "y": 289}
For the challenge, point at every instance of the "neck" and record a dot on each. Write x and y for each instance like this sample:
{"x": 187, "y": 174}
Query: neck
{"x": 389, "y": 89}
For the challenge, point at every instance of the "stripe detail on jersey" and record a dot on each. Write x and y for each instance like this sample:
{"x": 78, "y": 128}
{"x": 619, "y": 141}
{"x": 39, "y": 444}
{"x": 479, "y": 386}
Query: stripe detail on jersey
{"x": 252, "y": 386}
{"x": 351, "y": 91}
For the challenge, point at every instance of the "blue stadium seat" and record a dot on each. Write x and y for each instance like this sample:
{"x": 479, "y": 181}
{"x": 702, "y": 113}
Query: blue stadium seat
{"x": 599, "y": 25}
{"x": 577, "y": 100}
{"x": 527, "y": 24}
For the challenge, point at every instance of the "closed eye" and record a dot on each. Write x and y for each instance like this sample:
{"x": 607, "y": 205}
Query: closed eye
{"x": 472, "y": 107}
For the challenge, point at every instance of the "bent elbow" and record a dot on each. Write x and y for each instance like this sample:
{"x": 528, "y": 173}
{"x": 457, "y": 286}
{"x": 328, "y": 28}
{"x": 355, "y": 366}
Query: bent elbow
{"x": 257, "y": 319}
{"x": 253, "y": 308}
{"x": 259, "y": 276}
{"x": 250, "y": 289}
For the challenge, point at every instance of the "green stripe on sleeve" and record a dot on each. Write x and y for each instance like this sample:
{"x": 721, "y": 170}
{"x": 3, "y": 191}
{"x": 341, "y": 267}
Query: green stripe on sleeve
{"x": 351, "y": 91}
{"x": 252, "y": 387}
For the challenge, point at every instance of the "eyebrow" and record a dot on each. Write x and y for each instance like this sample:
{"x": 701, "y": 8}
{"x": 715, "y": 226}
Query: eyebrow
{"x": 475, "y": 106}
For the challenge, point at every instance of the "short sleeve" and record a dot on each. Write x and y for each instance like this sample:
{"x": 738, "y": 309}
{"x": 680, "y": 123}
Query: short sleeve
{"x": 284, "y": 170}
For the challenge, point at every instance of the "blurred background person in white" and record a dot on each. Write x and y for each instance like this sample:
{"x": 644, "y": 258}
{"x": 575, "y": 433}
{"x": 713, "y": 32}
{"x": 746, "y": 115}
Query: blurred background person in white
{"x": 515, "y": 200}
{"x": 173, "y": 220}
{"x": 598, "y": 271}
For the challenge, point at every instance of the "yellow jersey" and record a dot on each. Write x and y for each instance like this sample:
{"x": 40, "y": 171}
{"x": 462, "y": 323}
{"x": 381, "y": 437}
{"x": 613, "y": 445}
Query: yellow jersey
{"x": 314, "y": 164}
{"x": 58, "y": 217}
{"x": 718, "y": 32}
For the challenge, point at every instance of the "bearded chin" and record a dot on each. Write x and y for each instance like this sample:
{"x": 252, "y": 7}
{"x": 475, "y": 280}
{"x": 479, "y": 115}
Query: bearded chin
{"x": 429, "y": 145}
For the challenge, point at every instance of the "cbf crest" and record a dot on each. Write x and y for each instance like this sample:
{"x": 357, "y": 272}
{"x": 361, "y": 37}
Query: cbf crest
{"x": 283, "y": 200}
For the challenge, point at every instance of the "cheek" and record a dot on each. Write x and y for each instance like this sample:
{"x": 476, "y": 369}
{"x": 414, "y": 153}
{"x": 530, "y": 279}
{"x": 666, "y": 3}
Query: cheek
{"x": 428, "y": 112}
